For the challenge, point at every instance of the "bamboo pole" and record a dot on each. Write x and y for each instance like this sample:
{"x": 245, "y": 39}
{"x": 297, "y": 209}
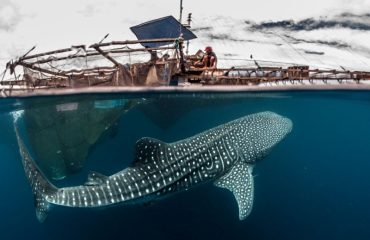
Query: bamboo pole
{"x": 47, "y": 53}
{"x": 114, "y": 51}
{"x": 159, "y": 40}
{"x": 24, "y": 64}
{"x": 313, "y": 71}
{"x": 96, "y": 69}
{"x": 106, "y": 55}
{"x": 28, "y": 52}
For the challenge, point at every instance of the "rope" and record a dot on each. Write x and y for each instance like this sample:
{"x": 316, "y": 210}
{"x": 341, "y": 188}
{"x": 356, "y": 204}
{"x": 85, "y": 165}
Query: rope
{"x": 290, "y": 45}
{"x": 55, "y": 67}
{"x": 4, "y": 72}
{"x": 363, "y": 62}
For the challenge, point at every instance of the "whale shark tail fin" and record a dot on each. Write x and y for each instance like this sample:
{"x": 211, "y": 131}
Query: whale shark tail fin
{"x": 239, "y": 180}
{"x": 41, "y": 187}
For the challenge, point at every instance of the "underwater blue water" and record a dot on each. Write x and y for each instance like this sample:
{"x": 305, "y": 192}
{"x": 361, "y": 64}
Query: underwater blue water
{"x": 315, "y": 184}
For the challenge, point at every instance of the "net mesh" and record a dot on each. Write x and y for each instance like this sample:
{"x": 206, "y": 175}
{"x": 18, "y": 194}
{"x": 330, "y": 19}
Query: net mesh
{"x": 136, "y": 68}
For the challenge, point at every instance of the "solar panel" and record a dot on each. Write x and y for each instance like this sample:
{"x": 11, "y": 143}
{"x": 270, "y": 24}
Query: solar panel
{"x": 166, "y": 27}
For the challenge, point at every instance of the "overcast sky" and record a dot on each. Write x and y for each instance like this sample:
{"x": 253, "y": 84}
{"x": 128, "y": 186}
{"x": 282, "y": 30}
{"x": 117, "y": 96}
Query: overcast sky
{"x": 51, "y": 24}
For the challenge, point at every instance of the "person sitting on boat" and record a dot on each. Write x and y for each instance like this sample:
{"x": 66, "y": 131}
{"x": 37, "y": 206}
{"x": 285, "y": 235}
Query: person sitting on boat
{"x": 209, "y": 59}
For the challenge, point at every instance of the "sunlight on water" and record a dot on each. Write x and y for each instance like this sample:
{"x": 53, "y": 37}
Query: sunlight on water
{"x": 17, "y": 115}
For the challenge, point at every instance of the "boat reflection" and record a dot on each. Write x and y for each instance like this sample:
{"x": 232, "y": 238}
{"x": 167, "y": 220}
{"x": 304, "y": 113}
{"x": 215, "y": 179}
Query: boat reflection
{"x": 61, "y": 135}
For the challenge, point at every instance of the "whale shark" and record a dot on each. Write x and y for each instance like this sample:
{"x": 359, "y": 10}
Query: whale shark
{"x": 224, "y": 155}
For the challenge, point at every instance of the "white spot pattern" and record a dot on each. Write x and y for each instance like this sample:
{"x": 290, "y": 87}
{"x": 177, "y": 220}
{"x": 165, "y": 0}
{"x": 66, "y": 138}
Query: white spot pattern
{"x": 226, "y": 153}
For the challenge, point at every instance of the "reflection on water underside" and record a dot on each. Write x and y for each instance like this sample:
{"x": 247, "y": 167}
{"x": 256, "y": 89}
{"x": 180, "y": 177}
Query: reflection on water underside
{"x": 62, "y": 131}
{"x": 61, "y": 135}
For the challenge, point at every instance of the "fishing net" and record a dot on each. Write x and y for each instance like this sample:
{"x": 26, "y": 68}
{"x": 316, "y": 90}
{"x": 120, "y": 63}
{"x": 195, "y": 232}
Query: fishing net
{"x": 88, "y": 68}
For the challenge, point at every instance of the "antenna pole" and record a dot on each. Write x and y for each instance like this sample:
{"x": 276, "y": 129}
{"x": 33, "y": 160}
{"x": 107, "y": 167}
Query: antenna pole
{"x": 187, "y": 43}
{"x": 180, "y": 19}
{"x": 181, "y": 8}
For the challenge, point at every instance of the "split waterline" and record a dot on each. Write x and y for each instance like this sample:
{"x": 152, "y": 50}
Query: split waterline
{"x": 314, "y": 184}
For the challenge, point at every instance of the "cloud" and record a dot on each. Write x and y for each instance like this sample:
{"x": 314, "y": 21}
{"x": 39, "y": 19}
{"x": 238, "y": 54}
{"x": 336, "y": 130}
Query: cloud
{"x": 89, "y": 10}
{"x": 317, "y": 32}
{"x": 351, "y": 47}
{"x": 313, "y": 52}
{"x": 230, "y": 54}
{"x": 9, "y": 15}
{"x": 213, "y": 33}
{"x": 294, "y": 40}
{"x": 352, "y": 15}
{"x": 344, "y": 20}
{"x": 202, "y": 29}
{"x": 227, "y": 37}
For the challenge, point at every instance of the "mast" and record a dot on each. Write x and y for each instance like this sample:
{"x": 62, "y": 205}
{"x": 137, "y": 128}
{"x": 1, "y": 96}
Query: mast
{"x": 181, "y": 8}
{"x": 181, "y": 42}
{"x": 180, "y": 18}
{"x": 188, "y": 26}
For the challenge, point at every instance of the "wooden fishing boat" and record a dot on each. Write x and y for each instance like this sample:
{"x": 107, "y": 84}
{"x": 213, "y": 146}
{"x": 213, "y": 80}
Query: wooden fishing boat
{"x": 155, "y": 60}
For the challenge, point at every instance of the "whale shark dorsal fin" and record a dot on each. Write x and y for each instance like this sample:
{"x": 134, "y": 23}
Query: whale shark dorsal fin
{"x": 239, "y": 181}
{"x": 147, "y": 150}
{"x": 95, "y": 178}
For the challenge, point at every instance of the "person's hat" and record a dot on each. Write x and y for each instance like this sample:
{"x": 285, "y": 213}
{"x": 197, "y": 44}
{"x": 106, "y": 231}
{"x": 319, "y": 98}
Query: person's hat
{"x": 208, "y": 49}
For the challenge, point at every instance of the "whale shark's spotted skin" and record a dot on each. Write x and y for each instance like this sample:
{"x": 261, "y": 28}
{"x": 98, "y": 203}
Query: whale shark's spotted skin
{"x": 225, "y": 154}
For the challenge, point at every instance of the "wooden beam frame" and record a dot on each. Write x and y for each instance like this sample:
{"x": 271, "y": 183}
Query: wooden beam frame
{"x": 90, "y": 54}
{"x": 27, "y": 65}
{"x": 159, "y": 40}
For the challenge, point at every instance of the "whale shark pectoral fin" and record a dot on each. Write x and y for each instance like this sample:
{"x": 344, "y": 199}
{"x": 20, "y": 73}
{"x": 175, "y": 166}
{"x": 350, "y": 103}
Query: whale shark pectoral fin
{"x": 95, "y": 178}
{"x": 146, "y": 148}
{"x": 239, "y": 181}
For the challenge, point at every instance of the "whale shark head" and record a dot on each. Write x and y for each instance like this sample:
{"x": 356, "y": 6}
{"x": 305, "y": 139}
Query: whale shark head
{"x": 260, "y": 132}
{"x": 253, "y": 137}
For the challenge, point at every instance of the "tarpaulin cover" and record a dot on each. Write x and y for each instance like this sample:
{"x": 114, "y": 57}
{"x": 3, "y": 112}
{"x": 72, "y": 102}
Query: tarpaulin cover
{"x": 167, "y": 27}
